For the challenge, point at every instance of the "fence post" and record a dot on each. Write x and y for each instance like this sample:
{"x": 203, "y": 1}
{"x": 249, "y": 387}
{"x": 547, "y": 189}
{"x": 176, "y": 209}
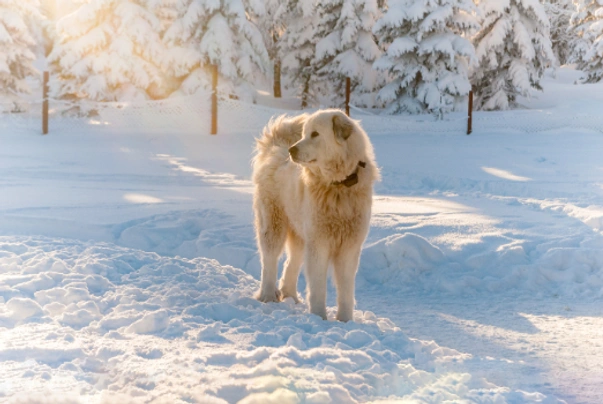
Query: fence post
{"x": 347, "y": 95}
{"x": 470, "y": 114}
{"x": 45, "y": 104}
{"x": 277, "y": 79}
{"x": 214, "y": 99}
{"x": 277, "y": 67}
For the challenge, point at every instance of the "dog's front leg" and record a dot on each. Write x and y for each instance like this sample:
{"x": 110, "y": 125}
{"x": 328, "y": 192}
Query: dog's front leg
{"x": 317, "y": 263}
{"x": 345, "y": 266}
{"x": 268, "y": 290}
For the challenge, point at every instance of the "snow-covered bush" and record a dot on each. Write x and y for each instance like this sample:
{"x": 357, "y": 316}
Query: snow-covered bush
{"x": 219, "y": 33}
{"x": 16, "y": 55}
{"x": 346, "y": 47}
{"x": 559, "y": 13}
{"x": 426, "y": 54}
{"x": 513, "y": 49}
{"x": 587, "y": 23}
{"x": 109, "y": 51}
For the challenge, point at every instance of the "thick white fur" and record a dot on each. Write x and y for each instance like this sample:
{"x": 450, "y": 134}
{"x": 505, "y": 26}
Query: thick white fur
{"x": 299, "y": 206}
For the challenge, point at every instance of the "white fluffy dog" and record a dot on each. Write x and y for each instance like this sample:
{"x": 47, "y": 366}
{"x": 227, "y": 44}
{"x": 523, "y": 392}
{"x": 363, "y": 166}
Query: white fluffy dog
{"x": 313, "y": 178}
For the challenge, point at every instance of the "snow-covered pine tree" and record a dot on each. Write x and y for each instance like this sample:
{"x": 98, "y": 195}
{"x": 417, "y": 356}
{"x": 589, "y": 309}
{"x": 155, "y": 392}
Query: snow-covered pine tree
{"x": 109, "y": 51}
{"x": 270, "y": 19}
{"x": 594, "y": 57}
{"x": 53, "y": 11}
{"x": 215, "y": 32}
{"x": 16, "y": 55}
{"x": 348, "y": 48}
{"x": 166, "y": 12}
{"x": 425, "y": 55}
{"x": 513, "y": 49}
{"x": 297, "y": 48}
{"x": 580, "y": 22}
{"x": 588, "y": 24}
{"x": 559, "y": 13}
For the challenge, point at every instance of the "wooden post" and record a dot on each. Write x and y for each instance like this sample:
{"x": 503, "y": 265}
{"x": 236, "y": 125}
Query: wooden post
{"x": 277, "y": 79}
{"x": 348, "y": 86}
{"x": 277, "y": 67}
{"x": 45, "y": 104}
{"x": 214, "y": 100}
{"x": 470, "y": 115}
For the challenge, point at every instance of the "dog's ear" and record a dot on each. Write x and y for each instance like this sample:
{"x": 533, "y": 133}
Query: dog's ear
{"x": 342, "y": 126}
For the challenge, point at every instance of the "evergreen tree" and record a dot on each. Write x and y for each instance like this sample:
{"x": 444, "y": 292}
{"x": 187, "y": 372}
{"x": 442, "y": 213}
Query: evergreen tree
{"x": 16, "y": 55}
{"x": 297, "y": 47}
{"x": 53, "y": 11}
{"x": 109, "y": 50}
{"x": 426, "y": 54}
{"x": 346, "y": 47}
{"x": 587, "y": 22}
{"x": 580, "y": 22}
{"x": 559, "y": 13}
{"x": 217, "y": 33}
{"x": 166, "y": 12}
{"x": 594, "y": 57}
{"x": 270, "y": 19}
{"x": 513, "y": 50}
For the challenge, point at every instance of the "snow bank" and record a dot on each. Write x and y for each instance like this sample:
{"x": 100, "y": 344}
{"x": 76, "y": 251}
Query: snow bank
{"x": 206, "y": 233}
{"x": 93, "y": 322}
{"x": 409, "y": 262}
{"x": 399, "y": 258}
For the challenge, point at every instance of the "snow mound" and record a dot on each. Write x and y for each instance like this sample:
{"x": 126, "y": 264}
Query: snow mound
{"x": 205, "y": 233}
{"x": 410, "y": 262}
{"x": 121, "y": 325}
{"x": 399, "y": 258}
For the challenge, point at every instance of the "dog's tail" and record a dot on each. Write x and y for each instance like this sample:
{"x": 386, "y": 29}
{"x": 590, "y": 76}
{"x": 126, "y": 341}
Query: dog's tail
{"x": 282, "y": 132}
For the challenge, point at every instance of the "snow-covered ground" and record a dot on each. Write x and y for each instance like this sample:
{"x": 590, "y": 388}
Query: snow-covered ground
{"x": 127, "y": 266}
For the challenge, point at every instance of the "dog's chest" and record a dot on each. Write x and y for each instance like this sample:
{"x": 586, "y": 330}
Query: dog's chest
{"x": 341, "y": 215}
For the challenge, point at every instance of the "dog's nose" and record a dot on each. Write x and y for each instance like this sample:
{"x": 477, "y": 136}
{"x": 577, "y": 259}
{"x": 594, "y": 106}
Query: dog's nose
{"x": 293, "y": 151}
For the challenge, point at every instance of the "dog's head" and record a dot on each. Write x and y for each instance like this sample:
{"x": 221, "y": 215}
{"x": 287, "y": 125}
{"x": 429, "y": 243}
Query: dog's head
{"x": 331, "y": 146}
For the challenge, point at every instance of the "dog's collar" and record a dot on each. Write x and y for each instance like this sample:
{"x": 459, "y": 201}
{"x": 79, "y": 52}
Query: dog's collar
{"x": 351, "y": 179}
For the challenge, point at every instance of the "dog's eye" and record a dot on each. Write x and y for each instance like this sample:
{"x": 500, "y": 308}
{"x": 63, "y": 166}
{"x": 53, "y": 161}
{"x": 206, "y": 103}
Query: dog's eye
{"x": 314, "y": 134}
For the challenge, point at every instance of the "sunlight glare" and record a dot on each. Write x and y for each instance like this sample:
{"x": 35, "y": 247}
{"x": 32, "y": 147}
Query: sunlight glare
{"x": 142, "y": 198}
{"x": 504, "y": 174}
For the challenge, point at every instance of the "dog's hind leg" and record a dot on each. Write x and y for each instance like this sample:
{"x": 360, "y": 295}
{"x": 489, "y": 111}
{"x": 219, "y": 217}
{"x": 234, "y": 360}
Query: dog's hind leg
{"x": 295, "y": 256}
{"x": 271, "y": 230}
{"x": 345, "y": 266}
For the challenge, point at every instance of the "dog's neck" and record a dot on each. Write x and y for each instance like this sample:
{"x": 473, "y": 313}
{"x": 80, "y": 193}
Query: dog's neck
{"x": 351, "y": 179}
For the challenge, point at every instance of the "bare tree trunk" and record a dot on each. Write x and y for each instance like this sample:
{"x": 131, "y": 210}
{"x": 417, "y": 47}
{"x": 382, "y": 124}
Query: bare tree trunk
{"x": 304, "y": 94}
{"x": 348, "y": 86}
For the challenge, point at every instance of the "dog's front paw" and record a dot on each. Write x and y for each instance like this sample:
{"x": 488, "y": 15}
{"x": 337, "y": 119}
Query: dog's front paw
{"x": 345, "y": 317}
{"x": 293, "y": 295}
{"x": 322, "y": 312}
{"x": 269, "y": 296}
